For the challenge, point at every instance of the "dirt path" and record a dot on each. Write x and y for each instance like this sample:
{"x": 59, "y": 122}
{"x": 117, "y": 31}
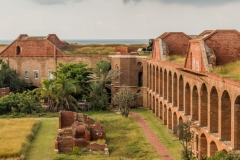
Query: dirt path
{"x": 152, "y": 138}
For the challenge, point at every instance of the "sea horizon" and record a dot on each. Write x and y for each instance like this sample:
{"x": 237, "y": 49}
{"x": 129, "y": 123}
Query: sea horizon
{"x": 96, "y": 41}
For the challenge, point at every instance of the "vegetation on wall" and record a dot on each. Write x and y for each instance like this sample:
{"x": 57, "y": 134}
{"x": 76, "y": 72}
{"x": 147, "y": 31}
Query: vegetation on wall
{"x": 10, "y": 78}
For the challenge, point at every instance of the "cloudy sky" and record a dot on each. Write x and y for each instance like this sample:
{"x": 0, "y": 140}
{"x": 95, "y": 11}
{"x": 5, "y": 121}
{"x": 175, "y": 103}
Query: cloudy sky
{"x": 115, "y": 19}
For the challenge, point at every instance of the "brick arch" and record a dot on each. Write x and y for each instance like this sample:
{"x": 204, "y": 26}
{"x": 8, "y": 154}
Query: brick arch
{"x": 175, "y": 90}
{"x": 180, "y": 94}
{"x": 213, "y": 148}
{"x": 148, "y": 75}
{"x": 225, "y": 117}
{"x": 154, "y": 79}
{"x": 157, "y": 108}
{"x": 237, "y": 123}
{"x": 150, "y": 102}
{"x": 180, "y": 120}
{"x": 151, "y": 77}
{"x": 169, "y": 87}
{"x": 169, "y": 118}
{"x": 174, "y": 122}
{"x": 213, "y": 110}
{"x": 204, "y": 105}
{"x": 165, "y": 84}
{"x": 194, "y": 103}
{"x": 203, "y": 146}
{"x": 187, "y": 99}
{"x": 153, "y": 104}
{"x": 165, "y": 115}
{"x": 157, "y": 80}
{"x": 161, "y": 82}
{"x": 161, "y": 110}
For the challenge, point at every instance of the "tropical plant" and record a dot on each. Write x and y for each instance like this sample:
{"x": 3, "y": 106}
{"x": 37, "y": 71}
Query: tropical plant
{"x": 63, "y": 90}
{"x": 123, "y": 99}
{"x": 77, "y": 72}
{"x": 185, "y": 135}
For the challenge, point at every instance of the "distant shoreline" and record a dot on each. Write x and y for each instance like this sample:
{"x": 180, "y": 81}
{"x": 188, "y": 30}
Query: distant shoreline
{"x": 96, "y": 41}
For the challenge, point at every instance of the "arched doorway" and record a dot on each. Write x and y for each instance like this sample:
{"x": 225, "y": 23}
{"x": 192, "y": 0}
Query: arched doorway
{"x": 169, "y": 118}
{"x": 180, "y": 89}
{"x": 187, "y": 99}
{"x": 204, "y": 108}
{"x": 170, "y": 87}
{"x": 195, "y": 104}
{"x": 213, "y": 148}
{"x": 203, "y": 147}
{"x": 225, "y": 117}
{"x": 175, "y": 90}
{"x": 213, "y": 110}
{"x": 237, "y": 123}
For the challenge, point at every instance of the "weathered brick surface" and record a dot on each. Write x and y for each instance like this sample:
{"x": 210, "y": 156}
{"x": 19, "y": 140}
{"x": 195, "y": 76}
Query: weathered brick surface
{"x": 4, "y": 91}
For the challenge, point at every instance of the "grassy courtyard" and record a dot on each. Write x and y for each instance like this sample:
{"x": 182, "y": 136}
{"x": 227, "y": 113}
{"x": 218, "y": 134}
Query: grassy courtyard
{"x": 15, "y": 136}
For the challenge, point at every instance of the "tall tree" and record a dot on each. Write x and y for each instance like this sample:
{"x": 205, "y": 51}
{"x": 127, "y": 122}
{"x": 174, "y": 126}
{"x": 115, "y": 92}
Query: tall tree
{"x": 77, "y": 72}
{"x": 9, "y": 78}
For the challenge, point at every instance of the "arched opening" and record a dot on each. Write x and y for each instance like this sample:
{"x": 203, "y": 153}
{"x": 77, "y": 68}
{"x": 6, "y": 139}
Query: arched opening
{"x": 187, "y": 99}
{"x": 148, "y": 75}
{"x": 161, "y": 82}
{"x": 204, "y": 108}
{"x": 175, "y": 90}
{"x": 140, "y": 79}
{"x": 157, "y": 81}
{"x": 140, "y": 98}
{"x": 161, "y": 110}
{"x": 165, "y": 115}
{"x": 213, "y": 111}
{"x": 18, "y": 50}
{"x": 157, "y": 108}
{"x": 165, "y": 84}
{"x": 151, "y": 77}
{"x": 154, "y": 79}
{"x": 169, "y": 118}
{"x": 150, "y": 101}
{"x": 170, "y": 87}
{"x": 203, "y": 147}
{"x": 174, "y": 122}
{"x": 195, "y": 104}
{"x": 153, "y": 105}
{"x": 225, "y": 117}
{"x": 180, "y": 120}
{"x": 237, "y": 123}
{"x": 109, "y": 93}
{"x": 180, "y": 105}
{"x": 213, "y": 148}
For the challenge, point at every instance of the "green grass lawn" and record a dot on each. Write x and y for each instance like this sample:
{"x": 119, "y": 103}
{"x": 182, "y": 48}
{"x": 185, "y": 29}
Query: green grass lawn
{"x": 124, "y": 138}
{"x": 42, "y": 147}
{"x": 168, "y": 139}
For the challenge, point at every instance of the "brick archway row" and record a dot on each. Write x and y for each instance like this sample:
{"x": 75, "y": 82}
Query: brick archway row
{"x": 210, "y": 106}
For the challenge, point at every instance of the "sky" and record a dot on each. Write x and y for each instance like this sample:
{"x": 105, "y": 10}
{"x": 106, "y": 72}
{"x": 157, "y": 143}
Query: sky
{"x": 115, "y": 19}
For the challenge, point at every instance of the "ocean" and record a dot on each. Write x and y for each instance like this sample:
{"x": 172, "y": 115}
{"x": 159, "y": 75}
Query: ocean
{"x": 96, "y": 41}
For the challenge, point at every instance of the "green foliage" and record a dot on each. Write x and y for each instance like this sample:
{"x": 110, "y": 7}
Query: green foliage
{"x": 221, "y": 155}
{"x": 25, "y": 103}
{"x": 101, "y": 75}
{"x": 77, "y": 72}
{"x": 9, "y": 78}
{"x": 185, "y": 135}
{"x": 123, "y": 99}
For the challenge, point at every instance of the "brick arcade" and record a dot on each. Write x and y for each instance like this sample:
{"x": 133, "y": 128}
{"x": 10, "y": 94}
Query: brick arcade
{"x": 174, "y": 93}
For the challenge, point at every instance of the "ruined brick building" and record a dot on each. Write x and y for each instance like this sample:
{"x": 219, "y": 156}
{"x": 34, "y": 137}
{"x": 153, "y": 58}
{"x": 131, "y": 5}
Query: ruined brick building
{"x": 174, "y": 93}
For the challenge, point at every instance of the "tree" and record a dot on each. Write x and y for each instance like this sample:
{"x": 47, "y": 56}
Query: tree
{"x": 185, "y": 135}
{"x": 63, "y": 90}
{"x": 47, "y": 92}
{"x": 123, "y": 99}
{"x": 101, "y": 75}
{"x": 77, "y": 72}
{"x": 9, "y": 78}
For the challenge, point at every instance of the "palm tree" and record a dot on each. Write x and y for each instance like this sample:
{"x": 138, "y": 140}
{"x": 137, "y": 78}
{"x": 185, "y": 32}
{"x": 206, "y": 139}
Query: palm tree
{"x": 63, "y": 89}
{"x": 102, "y": 73}
{"x": 47, "y": 91}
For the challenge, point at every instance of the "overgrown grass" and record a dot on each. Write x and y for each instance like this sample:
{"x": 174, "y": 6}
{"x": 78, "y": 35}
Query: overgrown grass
{"x": 95, "y": 49}
{"x": 124, "y": 138}
{"x": 176, "y": 59}
{"x": 230, "y": 70}
{"x": 15, "y": 136}
{"x": 168, "y": 139}
{"x": 42, "y": 147}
